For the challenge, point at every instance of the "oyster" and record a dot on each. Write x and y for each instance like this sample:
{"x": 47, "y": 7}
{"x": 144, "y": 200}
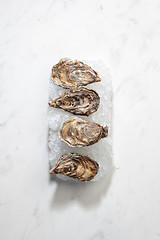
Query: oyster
{"x": 79, "y": 101}
{"x": 76, "y": 166}
{"x": 73, "y": 73}
{"x": 78, "y": 132}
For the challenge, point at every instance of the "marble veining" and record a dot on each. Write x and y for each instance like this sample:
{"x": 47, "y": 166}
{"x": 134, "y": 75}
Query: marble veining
{"x": 125, "y": 35}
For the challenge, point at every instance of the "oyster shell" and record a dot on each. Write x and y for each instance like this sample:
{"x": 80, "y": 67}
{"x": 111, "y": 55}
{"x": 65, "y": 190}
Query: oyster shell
{"x": 76, "y": 166}
{"x": 79, "y": 101}
{"x": 78, "y": 132}
{"x": 73, "y": 73}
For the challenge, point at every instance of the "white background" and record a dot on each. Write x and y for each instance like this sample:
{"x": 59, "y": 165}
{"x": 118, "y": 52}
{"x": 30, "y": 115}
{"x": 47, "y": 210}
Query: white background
{"x": 35, "y": 34}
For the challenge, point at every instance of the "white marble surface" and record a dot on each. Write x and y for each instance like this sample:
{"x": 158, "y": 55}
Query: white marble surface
{"x": 34, "y": 36}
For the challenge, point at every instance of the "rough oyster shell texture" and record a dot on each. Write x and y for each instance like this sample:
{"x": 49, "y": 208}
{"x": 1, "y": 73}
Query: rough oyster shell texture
{"x": 101, "y": 152}
{"x": 78, "y": 132}
{"x": 79, "y": 101}
{"x": 73, "y": 73}
{"x": 76, "y": 166}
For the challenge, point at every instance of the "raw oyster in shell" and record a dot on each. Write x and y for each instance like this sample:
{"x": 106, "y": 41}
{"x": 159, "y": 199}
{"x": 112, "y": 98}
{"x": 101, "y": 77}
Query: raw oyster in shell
{"x": 78, "y": 132}
{"x": 79, "y": 101}
{"x": 76, "y": 166}
{"x": 73, "y": 73}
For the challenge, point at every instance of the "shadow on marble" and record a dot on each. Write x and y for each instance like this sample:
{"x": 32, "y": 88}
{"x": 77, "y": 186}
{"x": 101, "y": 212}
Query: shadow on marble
{"x": 88, "y": 195}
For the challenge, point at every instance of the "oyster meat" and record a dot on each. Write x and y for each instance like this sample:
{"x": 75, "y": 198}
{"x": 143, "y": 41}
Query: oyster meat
{"x": 76, "y": 166}
{"x": 78, "y": 132}
{"x": 73, "y": 73}
{"x": 79, "y": 101}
